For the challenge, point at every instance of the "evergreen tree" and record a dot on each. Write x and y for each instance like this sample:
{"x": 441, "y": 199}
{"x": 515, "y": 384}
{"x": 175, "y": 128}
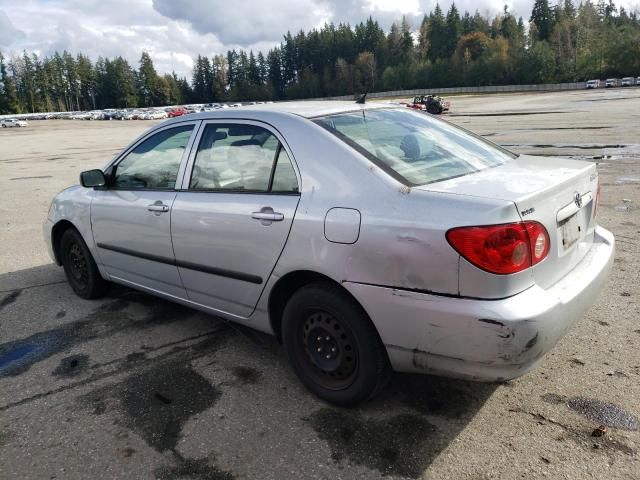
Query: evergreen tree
{"x": 147, "y": 82}
{"x": 453, "y": 30}
{"x": 541, "y": 16}
{"x": 8, "y": 95}
{"x": 276, "y": 78}
{"x": 438, "y": 42}
{"x": 87, "y": 81}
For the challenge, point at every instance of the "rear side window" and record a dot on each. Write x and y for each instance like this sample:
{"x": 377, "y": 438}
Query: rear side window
{"x": 241, "y": 158}
{"x": 284, "y": 177}
{"x": 413, "y": 147}
{"x": 155, "y": 162}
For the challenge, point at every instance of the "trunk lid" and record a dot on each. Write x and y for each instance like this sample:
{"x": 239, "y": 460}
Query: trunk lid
{"x": 556, "y": 192}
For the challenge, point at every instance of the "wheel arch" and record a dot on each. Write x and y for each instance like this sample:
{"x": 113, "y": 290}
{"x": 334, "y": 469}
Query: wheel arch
{"x": 289, "y": 284}
{"x": 56, "y": 235}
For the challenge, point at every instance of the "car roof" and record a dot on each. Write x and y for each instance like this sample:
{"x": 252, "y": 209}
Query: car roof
{"x": 306, "y": 109}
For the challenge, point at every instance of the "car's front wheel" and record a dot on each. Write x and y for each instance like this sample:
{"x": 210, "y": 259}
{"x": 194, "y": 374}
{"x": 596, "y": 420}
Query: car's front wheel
{"x": 332, "y": 345}
{"x": 79, "y": 267}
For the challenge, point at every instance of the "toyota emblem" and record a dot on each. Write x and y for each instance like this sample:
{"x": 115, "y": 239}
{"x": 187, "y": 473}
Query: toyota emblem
{"x": 577, "y": 198}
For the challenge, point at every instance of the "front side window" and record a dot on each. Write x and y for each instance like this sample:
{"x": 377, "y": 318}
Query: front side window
{"x": 155, "y": 162}
{"x": 239, "y": 157}
{"x": 414, "y": 147}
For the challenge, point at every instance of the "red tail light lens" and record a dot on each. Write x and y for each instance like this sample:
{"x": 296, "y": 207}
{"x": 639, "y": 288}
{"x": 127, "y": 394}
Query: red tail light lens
{"x": 501, "y": 249}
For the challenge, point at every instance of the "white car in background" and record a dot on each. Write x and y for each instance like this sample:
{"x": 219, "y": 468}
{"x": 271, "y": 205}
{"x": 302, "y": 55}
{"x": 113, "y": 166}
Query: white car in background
{"x": 155, "y": 115}
{"x": 13, "y": 122}
{"x": 628, "y": 82}
{"x": 593, "y": 84}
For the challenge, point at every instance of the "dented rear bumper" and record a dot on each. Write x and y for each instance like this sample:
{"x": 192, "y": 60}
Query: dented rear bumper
{"x": 486, "y": 340}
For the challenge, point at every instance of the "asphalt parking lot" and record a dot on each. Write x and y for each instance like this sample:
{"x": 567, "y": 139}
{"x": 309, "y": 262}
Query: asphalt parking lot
{"x": 131, "y": 386}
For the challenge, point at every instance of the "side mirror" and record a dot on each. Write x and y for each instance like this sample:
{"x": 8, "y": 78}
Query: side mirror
{"x": 92, "y": 178}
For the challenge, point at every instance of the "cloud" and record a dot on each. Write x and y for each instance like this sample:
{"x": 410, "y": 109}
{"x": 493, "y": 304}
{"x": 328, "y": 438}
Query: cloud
{"x": 244, "y": 22}
{"x": 249, "y": 22}
{"x": 175, "y": 31}
{"x": 8, "y": 33}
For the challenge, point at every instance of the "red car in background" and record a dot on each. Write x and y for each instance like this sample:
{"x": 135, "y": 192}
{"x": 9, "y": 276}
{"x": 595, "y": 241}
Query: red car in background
{"x": 176, "y": 112}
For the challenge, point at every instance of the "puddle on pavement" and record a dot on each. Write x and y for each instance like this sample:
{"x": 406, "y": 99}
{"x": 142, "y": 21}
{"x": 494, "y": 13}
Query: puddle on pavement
{"x": 71, "y": 366}
{"x": 18, "y": 356}
{"x": 402, "y": 445}
{"x": 156, "y": 403}
{"x": 603, "y": 413}
{"x": 159, "y": 401}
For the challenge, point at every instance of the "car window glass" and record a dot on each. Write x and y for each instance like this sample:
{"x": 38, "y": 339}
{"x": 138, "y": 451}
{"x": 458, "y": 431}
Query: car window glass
{"x": 284, "y": 177}
{"x": 155, "y": 162}
{"x": 417, "y": 147}
{"x": 234, "y": 157}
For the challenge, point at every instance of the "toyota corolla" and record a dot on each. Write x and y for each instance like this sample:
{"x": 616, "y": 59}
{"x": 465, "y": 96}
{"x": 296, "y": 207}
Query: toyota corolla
{"x": 367, "y": 238}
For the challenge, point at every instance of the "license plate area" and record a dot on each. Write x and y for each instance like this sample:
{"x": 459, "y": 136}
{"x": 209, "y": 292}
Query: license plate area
{"x": 571, "y": 230}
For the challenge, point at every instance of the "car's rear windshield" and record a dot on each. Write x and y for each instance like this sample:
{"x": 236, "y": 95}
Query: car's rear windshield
{"x": 414, "y": 147}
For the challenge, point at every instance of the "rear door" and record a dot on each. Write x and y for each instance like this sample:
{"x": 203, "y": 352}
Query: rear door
{"x": 131, "y": 217}
{"x": 230, "y": 221}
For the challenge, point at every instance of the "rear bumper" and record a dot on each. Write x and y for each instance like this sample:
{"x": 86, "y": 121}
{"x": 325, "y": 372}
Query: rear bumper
{"x": 486, "y": 340}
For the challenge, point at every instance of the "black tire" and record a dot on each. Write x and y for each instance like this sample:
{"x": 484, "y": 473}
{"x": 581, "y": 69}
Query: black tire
{"x": 79, "y": 267}
{"x": 332, "y": 345}
{"x": 434, "y": 110}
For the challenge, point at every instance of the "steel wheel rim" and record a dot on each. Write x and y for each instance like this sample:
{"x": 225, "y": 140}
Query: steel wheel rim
{"x": 330, "y": 350}
{"x": 78, "y": 264}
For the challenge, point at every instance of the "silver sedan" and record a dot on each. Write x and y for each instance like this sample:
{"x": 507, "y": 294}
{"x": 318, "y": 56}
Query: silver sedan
{"x": 367, "y": 238}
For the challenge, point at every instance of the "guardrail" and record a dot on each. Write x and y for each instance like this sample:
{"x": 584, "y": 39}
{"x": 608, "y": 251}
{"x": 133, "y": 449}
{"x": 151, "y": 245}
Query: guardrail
{"x": 543, "y": 87}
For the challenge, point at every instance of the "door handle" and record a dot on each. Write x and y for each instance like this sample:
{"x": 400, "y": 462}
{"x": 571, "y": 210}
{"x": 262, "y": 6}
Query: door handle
{"x": 158, "y": 208}
{"x": 267, "y": 215}
{"x": 272, "y": 217}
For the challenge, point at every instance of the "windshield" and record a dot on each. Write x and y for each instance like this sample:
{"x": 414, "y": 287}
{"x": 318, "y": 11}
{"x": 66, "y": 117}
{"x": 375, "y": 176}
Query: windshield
{"x": 413, "y": 147}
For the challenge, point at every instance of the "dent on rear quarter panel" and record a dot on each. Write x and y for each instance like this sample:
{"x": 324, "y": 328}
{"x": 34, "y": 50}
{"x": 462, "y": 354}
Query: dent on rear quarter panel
{"x": 401, "y": 242}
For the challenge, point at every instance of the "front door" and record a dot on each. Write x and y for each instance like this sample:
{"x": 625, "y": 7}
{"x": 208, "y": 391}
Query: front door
{"x": 231, "y": 220}
{"x": 131, "y": 217}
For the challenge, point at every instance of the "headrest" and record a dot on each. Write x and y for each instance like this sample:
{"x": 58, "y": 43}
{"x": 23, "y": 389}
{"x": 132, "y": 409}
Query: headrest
{"x": 410, "y": 147}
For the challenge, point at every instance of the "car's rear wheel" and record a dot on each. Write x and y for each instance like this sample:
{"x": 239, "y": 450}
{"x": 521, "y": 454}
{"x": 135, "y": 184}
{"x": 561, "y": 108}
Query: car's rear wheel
{"x": 79, "y": 267}
{"x": 332, "y": 345}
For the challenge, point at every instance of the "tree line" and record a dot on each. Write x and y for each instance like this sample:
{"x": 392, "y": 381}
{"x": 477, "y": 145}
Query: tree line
{"x": 564, "y": 42}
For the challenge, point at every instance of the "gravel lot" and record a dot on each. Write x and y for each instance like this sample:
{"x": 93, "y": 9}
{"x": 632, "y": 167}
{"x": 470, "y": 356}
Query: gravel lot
{"x": 134, "y": 387}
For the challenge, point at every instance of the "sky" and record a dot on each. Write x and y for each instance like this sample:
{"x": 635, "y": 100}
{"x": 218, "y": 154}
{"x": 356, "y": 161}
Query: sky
{"x": 176, "y": 31}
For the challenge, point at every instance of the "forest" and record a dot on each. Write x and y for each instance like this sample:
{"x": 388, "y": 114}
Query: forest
{"x": 558, "y": 43}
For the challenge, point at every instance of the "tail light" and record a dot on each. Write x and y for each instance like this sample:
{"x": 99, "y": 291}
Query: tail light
{"x": 501, "y": 249}
{"x": 597, "y": 202}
